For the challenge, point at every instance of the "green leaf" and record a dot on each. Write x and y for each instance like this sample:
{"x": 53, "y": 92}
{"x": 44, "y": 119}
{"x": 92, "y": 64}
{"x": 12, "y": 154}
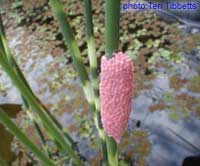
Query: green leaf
{"x": 12, "y": 128}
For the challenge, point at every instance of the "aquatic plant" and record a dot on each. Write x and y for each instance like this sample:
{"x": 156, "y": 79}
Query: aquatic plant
{"x": 120, "y": 66}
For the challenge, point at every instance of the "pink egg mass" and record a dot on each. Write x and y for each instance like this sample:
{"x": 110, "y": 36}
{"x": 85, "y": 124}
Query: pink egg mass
{"x": 116, "y": 89}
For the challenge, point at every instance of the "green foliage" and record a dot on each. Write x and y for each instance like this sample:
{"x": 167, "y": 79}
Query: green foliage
{"x": 166, "y": 55}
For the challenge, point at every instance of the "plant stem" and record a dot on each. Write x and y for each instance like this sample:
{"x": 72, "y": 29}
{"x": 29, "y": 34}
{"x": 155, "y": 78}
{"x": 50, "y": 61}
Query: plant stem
{"x": 54, "y": 131}
{"x": 18, "y": 72}
{"x": 5, "y": 120}
{"x": 37, "y": 127}
{"x": 91, "y": 46}
{"x": 76, "y": 56}
{"x": 47, "y": 122}
{"x": 112, "y": 151}
{"x": 67, "y": 32}
{"x": 70, "y": 40}
{"x": 112, "y": 18}
{"x": 1, "y": 32}
{"x": 40, "y": 134}
{"x": 94, "y": 72}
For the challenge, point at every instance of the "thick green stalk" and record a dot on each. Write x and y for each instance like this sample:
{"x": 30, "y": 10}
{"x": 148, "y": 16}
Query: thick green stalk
{"x": 5, "y": 120}
{"x": 47, "y": 122}
{"x": 112, "y": 151}
{"x": 112, "y": 18}
{"x": 94, "y": 71}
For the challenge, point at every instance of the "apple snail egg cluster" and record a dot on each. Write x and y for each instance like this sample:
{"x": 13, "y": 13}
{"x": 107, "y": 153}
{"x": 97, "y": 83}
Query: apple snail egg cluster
{"x": 116, "y": 89}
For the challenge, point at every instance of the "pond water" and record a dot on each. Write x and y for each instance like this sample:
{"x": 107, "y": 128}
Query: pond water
{"x": 167, "y": 148}
{"x": 168, "y": 112}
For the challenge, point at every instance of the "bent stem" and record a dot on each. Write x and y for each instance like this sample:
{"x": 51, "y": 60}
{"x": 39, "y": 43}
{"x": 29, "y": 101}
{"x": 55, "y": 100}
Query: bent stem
{"x": 94, "y": 72}
{"x": 5, "y": 120}
{"x": 112, "y": 18}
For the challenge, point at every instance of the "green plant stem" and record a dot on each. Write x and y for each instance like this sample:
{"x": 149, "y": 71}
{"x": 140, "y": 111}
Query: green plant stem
{"x": 67, "y": 32}
{"x": 1, "y": 32}
{"x": 76, "y": 56}
{"x": 47, "y": 122}
{"x": 37, "y": 128}
{"x": 112, "y": 18}
{"x": 65, "y": 131}
{"x": 112, "y": 151}
{"x": 5, "y": 120}
{"x": 7, "y": 55}
{"x": 40, "y": 134}
{"x": 62, "y": 160}
{"x": 18, "y": 72}
{"x": 94, "y": 72}
{"x": 91, "y": 46}
{"x": 72, "y": 44}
